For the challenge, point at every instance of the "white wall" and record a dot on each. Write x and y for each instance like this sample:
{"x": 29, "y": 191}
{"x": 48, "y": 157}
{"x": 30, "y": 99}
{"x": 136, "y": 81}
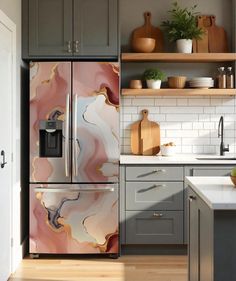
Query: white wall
{"x": 12, "y": 8}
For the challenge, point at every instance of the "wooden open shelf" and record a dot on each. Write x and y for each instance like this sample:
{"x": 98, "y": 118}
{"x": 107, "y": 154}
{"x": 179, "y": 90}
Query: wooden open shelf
{"x": 178, "y": 92}
{"x": 178, "y": 57}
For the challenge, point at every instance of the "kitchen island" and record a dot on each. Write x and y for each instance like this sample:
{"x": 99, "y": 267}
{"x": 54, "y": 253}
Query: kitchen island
{"x": 212, "y": 229}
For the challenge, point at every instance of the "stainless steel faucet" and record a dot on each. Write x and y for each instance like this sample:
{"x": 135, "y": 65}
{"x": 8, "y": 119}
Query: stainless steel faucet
{"x": 223, "y": 148}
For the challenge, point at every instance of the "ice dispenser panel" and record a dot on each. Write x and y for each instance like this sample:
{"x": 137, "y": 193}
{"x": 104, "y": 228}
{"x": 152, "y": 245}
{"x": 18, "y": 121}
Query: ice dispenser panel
{"x": 50, "y": 138}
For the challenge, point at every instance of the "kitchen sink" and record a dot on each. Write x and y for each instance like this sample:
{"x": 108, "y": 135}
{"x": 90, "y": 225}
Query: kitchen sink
{"x": 216, "y": 158}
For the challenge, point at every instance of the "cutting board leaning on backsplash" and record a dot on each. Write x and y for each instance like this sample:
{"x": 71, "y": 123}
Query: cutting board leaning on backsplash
{"x": 145, "y": 136}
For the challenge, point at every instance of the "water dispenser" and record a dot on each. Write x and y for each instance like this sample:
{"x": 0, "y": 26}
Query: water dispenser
{"x": 50, "y": 138}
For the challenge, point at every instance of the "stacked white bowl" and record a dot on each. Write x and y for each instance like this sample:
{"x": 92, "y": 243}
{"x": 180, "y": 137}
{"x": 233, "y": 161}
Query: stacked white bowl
{"x": 201, "y": 82}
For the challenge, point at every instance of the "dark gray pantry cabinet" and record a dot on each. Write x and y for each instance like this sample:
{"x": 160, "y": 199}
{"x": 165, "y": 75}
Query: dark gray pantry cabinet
{"x": 212, "y": 247}
{"x": 70, "y": 29}
{"x": 154, "y": 203}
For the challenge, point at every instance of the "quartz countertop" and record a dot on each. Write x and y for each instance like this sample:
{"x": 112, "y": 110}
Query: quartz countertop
{"x": 178, "y": 159}
{"x": 219, "y": 193}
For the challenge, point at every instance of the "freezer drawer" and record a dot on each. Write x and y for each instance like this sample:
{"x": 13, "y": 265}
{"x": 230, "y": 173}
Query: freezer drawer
{"x": 73, "y": 219}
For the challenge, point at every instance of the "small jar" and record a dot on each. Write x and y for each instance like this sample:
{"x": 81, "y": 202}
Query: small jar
{"x": 229, "y": 78}
{"x": 221, "y": 78}
{"x": 135, "y": 84}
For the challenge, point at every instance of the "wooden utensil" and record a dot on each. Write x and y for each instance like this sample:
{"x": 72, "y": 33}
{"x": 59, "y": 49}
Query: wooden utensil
{"x": 145, "y": 136}
{"x": 217, "y": 38}
{"x": 149, "y": 31}
{"x": 202, "y": 44}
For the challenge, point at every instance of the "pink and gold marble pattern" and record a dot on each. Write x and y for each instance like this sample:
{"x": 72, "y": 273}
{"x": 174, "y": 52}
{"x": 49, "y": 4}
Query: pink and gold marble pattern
{"x": 73, "y": 222}
{"x": 50, "y": 83}
{"x": 96, "y": 86}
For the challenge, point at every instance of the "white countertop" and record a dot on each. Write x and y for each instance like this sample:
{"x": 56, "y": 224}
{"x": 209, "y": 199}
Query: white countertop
{"x": 179, "y": 159}
{"x": 218, "y": 192}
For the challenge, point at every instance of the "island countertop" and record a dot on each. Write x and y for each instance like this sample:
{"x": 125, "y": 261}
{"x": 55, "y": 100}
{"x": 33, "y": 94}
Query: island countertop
{"x": 219, "y": 193}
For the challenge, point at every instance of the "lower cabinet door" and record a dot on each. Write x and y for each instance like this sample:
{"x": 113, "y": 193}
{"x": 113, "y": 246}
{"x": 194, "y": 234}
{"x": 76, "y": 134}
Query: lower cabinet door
{"x": 73, "y": 219}
{"x": 159, "y": 227}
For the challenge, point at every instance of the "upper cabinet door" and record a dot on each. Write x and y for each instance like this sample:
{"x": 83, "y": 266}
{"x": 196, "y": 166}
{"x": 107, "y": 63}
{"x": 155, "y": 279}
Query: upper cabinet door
{"x": 50, "y": 28}
{"x": 96, "y": 27}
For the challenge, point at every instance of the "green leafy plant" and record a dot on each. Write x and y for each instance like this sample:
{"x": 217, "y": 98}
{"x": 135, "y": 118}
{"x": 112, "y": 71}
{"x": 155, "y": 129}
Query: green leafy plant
{"x": 182, "y": 23}
{"x": 153, "y": 74}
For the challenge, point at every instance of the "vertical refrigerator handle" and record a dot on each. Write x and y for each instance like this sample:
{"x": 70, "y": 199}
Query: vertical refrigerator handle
{"x": 67, "y": 137}
{"x": 75, "y": 140}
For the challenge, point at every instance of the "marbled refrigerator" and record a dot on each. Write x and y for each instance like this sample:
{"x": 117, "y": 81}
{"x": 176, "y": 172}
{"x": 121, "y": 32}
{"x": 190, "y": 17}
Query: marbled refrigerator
{"x": 74, "y": 157}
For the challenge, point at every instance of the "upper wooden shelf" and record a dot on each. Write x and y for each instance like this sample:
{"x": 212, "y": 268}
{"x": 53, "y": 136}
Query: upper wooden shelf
{"x": 178, "y": 92}
{"x": 178, "y": 57}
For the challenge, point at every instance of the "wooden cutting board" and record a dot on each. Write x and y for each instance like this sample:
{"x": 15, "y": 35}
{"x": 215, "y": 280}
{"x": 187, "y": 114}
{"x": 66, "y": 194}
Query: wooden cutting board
{"x": 145, "y": 136}
{"x": 202, "y": 45}
{"x": 147, "y": 30}
{"x": 217, "y": 38}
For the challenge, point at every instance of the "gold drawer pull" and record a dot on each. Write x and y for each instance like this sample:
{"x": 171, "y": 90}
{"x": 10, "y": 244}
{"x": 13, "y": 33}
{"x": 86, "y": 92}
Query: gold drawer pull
{"x": 157, "y": 215}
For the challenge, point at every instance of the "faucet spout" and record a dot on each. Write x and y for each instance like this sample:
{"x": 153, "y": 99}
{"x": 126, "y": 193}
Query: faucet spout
{"x": 223, "y": 148}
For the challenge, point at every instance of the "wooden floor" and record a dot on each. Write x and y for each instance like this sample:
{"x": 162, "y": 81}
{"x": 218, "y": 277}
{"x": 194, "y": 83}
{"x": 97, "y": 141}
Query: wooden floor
{"x": 126, "y": 268}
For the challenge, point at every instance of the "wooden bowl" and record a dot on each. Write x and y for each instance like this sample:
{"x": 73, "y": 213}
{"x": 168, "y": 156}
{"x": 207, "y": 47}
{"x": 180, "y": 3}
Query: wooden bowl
{"x": 143, "y": 45}
{"x": 177, "y": 82}
{"x": 135, "y": 84}
{"x": 233, "y": 179}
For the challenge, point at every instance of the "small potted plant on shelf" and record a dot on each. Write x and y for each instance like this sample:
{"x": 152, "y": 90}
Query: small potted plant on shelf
{"x": 153, "y": 77}
{"x": 182, "y": 27}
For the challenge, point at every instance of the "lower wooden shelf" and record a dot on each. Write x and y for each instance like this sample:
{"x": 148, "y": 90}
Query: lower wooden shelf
{"x": 178, "y": 92}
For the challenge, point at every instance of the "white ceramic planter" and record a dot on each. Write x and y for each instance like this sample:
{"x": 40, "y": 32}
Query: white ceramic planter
{"x": 154, "y": 84}
{"x": 184, "y": 46}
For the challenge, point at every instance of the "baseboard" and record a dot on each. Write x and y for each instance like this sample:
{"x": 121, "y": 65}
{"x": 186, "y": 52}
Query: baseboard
{"x": 153, "y": 249}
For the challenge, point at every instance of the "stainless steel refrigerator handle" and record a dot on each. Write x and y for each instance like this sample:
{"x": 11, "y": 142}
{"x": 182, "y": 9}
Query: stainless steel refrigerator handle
{"x": 75, "y": 144}
{"x": 67, "y": 140}
{"x": 70, "y": 190}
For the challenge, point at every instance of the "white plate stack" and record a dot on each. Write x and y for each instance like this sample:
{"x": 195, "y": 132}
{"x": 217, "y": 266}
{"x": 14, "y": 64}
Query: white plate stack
{"x": 201, "y": 82}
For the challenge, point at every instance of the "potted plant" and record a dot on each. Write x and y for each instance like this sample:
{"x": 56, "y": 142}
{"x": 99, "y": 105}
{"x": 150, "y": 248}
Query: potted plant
{"x": 182, "y": 28}
{"x": 153, "y": 77}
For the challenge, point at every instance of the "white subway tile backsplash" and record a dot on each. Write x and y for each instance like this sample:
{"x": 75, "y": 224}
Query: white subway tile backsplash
{"x": 225, "y": 109}
{"x": 166, "y": 102}
{"x": 181, "y": 117}
{"x": 182, "y": 102}
{"x": 199, "y": 102}
{"x": 143, "y": 102}
{"x": 191, "y": 123}
{"x": 181, "y": 109}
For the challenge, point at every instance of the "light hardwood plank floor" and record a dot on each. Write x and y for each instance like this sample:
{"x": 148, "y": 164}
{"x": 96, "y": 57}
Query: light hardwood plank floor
{"x": 126, "y": 268}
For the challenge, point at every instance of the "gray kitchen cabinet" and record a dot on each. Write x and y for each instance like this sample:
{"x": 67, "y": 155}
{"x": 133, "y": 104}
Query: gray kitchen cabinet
{"x": 201, "y": 171}
{"x": 200, "y": 239}
{"x": 154, "y": 196}
{"x": 154, "y": 173}
{"x": 212, "y": 247}
{"x": 149, "y": 227}
{"x": 70, "y": 28}
{"x": 153, "y": 209}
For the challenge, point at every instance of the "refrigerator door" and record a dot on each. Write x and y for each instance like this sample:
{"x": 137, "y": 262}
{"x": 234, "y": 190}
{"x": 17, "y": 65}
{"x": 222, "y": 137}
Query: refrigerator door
{"x": 73, "y": 219}
{"x": 95, "y": 114}
{"x": 50, "y": 116}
